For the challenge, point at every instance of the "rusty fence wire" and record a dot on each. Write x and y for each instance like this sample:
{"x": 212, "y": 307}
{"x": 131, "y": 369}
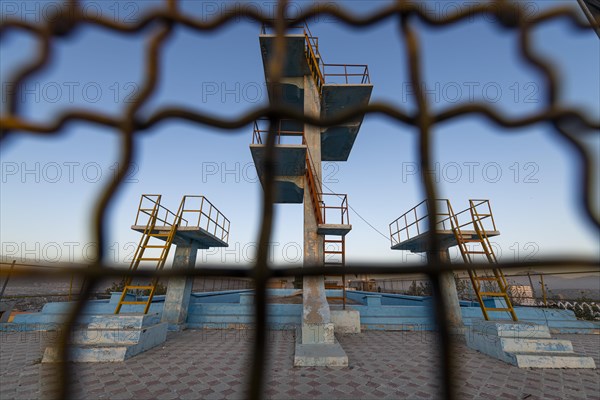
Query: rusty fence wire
{"x": 535, "y": 289}
{"x": 158, "y": 24}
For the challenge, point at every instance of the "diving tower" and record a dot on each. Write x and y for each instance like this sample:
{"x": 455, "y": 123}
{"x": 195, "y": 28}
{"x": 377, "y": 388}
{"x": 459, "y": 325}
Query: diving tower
{"x": 312, "y": 87}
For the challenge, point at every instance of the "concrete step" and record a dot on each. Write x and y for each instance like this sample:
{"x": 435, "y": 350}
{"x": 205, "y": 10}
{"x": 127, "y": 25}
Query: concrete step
{"x": 511, "y": 345}
{"x": 123, "y": 321}
{"x": 553, "y": 360}
{"x": 90, "y": 353}
{"x": 103, "y": 350}
{"x": 510, "y": 329}
{"x": 115, "y": 336}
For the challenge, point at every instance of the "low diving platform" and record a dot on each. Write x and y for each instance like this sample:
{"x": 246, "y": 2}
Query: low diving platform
{"x": 446, "y": 239}
{"x": 334, "y": 229}
{"x": 186, "y": 235}
{"x": 411, "y": 230}
{"x": 198, "y": 221}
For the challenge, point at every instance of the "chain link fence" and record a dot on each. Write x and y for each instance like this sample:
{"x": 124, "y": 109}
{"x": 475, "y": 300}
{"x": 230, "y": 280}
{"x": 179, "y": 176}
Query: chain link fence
{"x": 569, "y": 124}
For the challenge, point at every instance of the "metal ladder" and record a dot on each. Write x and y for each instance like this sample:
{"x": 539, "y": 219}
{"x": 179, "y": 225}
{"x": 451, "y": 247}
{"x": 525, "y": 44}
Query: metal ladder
{"x": 497, "y": 286}
{"x": 334, "y": 255}
{"x": 144, "y": 244}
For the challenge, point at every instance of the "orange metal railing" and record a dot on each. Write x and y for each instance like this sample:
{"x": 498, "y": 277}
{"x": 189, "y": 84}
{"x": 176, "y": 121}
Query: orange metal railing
{"x": 321, "y": 208}
{"x": 313, "y": 189}
{"x": 346, "y": 73}
{"x": 285, "y": 128}
{"x": 344, "y": 216}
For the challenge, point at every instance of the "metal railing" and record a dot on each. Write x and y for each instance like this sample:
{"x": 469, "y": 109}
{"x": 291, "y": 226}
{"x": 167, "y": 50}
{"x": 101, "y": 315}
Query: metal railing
{"x": 478, "y": 213}
{"x": 344, "y": 216}
{"x": 416, "y": 221}
{"x": 150, "y": 206}
{"x": 321, "y": 72}
{"x": 346, "y": 73}
{"x": 311, "y": 50}
{"x": 209, "y": 217}
{"x": 285, "y": 128}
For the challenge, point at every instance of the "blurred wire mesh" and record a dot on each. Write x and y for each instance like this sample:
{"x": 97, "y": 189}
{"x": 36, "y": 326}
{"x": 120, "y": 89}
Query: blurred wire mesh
{"x": 158, "y": 24}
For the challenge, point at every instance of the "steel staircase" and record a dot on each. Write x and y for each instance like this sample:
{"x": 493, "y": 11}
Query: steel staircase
{"x": 334, "y": 247}
{"x": 486, "y": 283}
{"x": 150, "y": 252}
{"x": 315, "y": 196}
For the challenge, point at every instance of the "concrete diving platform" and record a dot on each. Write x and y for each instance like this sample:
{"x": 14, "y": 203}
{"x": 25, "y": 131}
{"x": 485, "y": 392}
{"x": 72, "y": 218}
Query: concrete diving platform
{"x": 418, "y": 244}
{"x": 337, "y": 141}
{"x": 290, "y": 167}
{"x": 334, "y": 229}
{"x": 295, "y": 63}
{"x": 186, "y": 234}
{"x": 288, "y": 92}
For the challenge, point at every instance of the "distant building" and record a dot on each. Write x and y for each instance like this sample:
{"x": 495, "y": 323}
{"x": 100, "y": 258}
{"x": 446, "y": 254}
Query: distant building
{"x": 522, "y": 295}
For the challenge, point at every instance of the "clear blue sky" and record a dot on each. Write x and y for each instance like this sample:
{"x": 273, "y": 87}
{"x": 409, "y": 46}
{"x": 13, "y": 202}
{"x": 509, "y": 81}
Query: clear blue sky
{"x": 45, "y": 214}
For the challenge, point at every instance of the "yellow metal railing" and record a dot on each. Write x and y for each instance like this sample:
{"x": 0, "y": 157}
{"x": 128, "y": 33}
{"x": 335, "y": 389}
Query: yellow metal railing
{"x": 150, "y": 207}
{"x": 209, "y": 217}
{"x": 417, "y": 220}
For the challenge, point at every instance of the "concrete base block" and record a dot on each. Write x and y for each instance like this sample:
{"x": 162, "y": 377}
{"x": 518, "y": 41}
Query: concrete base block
{"x": 319, "y": 355}
{"x": 517, "y": 330}
{"x": 317, "y": 333}
{"x": 177, "y": 327}
{"x": 525, "y": 345}
{"x": 123, "y": 321}
{"x": 554, "y": 361}
{"x": 112, "y": 340}
{"x": 346, "y": 321}
{"x": 90, "y": 337}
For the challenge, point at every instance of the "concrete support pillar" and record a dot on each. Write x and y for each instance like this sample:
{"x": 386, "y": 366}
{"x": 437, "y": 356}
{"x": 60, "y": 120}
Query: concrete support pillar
{"x": 316, "y": 316}
{"x": 179, "y": 289}
{"x": 450, "y": 297}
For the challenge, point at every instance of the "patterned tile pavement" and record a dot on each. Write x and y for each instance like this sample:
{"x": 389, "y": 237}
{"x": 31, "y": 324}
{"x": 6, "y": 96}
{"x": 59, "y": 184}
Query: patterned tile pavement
{"x": 202, "y": 364}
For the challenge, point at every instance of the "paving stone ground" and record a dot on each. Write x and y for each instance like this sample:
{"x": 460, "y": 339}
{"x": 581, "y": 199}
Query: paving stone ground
{"x": 201, "y": 364}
